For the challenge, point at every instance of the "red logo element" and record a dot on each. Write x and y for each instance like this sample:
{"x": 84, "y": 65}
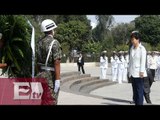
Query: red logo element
{"x": 25, "y": 91}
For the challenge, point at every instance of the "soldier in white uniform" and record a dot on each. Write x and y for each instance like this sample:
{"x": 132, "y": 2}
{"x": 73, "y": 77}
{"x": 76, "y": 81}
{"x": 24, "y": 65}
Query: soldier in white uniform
{"x": 153, "y": 63}
{"x": 114, "y": 65}
{"x": 148, "y": 58}
{"x": 126, "y": 61}
{"x": 103, "y": 65}
{"x": 158, "y": 66}
{"x": 120, "y": 67}
{"x": 156, "y": 71}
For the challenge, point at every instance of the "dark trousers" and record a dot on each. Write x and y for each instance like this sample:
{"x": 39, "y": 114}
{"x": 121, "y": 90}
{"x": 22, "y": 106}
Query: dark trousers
{"x": 147, "y": 87}
{"x": 147, "y": 97}
{"x": 81, "y": 67}
{"x": 138, "y": 87}
{"x": 153, "y": 72}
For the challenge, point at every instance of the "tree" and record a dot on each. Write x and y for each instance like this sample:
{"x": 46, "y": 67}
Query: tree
{"x": 39, "y": 18}
{"x": 17, "y": 51}
{"x": 149, "y": 28}
{"x": 147, "y": 46}
{"x": 158, "y": 47}
{"x": 74, "y": 33}
{"x": 108, "y": 42}
{"x": 122, "y": 47}
{"x": 92, "y": 47}
{"x": 66, "y": 18}
{"x": 121, "y": 33}
{"x": 104, "y": 23}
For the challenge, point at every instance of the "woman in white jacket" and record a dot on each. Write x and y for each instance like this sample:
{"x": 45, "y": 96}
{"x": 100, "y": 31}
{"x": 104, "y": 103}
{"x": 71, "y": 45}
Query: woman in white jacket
{"x": 137, "y": 68}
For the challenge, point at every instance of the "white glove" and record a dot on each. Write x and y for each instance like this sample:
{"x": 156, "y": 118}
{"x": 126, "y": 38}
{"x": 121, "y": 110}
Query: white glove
{"x": 57, "y": 86}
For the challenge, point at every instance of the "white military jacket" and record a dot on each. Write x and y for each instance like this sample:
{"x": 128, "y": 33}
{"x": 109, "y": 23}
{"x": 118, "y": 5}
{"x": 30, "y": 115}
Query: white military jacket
{"x": 137, "y": 61}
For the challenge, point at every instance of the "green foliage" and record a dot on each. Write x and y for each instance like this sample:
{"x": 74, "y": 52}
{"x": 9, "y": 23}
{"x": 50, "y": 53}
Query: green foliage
{"x": 147, "y": 46}
{"x": 104, "y": 23}
{"x": 122, "y": 47}
{"x": 17, "y": 50}
{"x": 158, "y": 47}
{"x": 149, "y": 27}
{"x": 74, "y": 33}
{"x": 107, "y": 43}
{"x": 66, "y": 18}
{"x": 36, "y": 25}
{"x": 121, "y": 33}
{"x": 92, "y": 47}
{"x": 65, "y": 47}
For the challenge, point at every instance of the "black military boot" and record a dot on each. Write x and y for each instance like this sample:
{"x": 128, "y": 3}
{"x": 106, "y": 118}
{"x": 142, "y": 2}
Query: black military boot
{"x": 147, "y": 98}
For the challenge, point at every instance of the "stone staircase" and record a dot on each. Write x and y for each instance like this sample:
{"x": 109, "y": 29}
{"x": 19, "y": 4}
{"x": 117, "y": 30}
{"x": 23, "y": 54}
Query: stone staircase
{"x": 75, "y": 82}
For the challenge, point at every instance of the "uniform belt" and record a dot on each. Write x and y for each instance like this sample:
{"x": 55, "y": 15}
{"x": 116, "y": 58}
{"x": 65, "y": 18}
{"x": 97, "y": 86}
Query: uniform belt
{"x": 47, "y": 68}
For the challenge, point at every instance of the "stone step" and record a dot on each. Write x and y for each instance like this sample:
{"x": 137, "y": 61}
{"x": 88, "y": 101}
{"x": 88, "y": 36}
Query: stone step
{"x": 69, "y": 74}
{"x": 75, "y": 82}
{"x": 81, "y": 81}
{"x": 83, "y": 85}
{"x": 95, "y": 85}
{"x": 73, "y": 77}
{"x": 76, "y": 86}
{"x": 67, "y": 85}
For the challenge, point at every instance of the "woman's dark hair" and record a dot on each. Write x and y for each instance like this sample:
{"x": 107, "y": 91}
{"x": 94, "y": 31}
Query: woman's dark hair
{"x": 135, "y": 35}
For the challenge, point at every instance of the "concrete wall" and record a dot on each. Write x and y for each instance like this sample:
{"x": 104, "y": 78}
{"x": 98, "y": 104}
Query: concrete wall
{"x": 85, "y": 64}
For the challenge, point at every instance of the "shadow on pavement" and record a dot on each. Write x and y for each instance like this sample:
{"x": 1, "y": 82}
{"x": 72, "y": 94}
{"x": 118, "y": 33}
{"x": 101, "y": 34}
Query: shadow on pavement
{"x": 117, "y": 100}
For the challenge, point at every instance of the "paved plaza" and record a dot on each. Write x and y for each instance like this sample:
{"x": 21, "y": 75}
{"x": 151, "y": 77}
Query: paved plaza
{"x": 116, "y": 94}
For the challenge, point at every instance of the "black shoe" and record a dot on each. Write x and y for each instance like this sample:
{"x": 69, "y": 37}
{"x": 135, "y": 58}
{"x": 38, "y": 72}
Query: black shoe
{"x": 149, "y": 102}
{"x": 132, "y": 102}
